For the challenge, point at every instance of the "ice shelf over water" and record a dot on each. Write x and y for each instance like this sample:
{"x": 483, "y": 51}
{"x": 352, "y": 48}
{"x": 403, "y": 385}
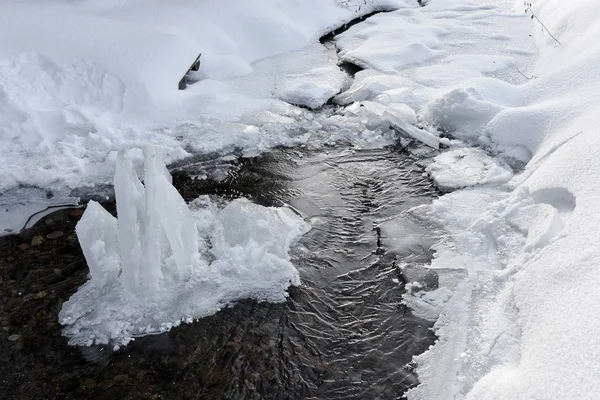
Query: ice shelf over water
{"x": 162, "y": 262}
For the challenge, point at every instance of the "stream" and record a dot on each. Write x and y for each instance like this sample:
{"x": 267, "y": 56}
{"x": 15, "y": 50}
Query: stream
{"x": 343, "y": 334}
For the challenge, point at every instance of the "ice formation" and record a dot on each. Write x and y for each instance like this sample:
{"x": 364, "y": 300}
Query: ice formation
{"x": 153, "y": 267}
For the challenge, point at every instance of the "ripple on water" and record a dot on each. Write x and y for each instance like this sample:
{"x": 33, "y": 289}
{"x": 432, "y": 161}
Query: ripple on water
{"x": 344, "y": 333}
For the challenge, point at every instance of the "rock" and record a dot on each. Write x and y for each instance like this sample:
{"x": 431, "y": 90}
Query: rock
{"x": 44, "y": 259}
{"x": 37, "y": 241}
{"x": 55, "y": 235}
{"x": 14, "y": 337}
{"x": 121, "y": 378}
{"x": 77, "y": 213}
{"x": 106, "y": 384}
{"x": 41, "y": 295}
{"x": 23, "y": 246}
{"x": 90, "y": 383}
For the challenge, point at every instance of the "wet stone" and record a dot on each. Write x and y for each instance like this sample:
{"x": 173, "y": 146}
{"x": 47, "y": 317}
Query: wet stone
{"x": 41, "y": 295}
{"x": 121, "y": 378}
{"x": 37, "y": 241}
{"x": 54, "y": 235}
{"x": 77, "y": 213}
{"x": 14, "y": 338}
{"x": 89, "y": 383}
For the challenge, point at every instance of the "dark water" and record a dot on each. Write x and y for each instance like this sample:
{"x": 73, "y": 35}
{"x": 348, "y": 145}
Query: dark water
{"x": 343, "y": 334}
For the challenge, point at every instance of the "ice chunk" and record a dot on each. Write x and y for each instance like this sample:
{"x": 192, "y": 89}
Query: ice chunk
{"x": 368, "y": 85}
{"x": 461, "y": 168}
{"x": 403, "y": 111}
{"x": 275, "y": 230}
{"x": 260, "y": 118}
{"x": 178, "y": 224}
{"x": 310, "y": 94}
{"x": 130, "y": 197}
{"x": 152, "y": 232}
{"x": 147, "y": 271}
{"x": 394, "y": 117}
{"x": 97, "y": 232}
{"x": 373, "y": 107}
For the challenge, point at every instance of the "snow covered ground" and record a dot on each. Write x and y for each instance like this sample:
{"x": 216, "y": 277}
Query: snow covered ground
{"x": 96, "y": 77}
{"x": 81, "y": 80}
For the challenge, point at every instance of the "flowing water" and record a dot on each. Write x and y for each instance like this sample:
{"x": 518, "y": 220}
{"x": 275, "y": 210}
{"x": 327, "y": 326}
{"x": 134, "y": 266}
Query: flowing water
{"x": 343, "y": 334}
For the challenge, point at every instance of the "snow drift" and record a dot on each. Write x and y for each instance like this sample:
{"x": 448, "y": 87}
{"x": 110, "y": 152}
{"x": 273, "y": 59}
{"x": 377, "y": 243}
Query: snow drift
{"x": 516, "y": 308}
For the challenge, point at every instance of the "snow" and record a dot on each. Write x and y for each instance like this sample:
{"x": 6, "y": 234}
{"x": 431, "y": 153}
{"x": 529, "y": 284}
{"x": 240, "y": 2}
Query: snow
{"x": 162, "y": 263}
{"x": 96, "y": 77}
{"x": 464, "y": 167}
{"x": 516, "y": 253}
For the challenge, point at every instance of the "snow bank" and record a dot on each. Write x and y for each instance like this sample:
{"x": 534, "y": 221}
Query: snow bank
{"x": 460, "y": 168}
{"x": 519, "y": 322}
{"x": 162, "y": 263}
{"x": 82, "y": 80}
{"x": 516, "y": 300}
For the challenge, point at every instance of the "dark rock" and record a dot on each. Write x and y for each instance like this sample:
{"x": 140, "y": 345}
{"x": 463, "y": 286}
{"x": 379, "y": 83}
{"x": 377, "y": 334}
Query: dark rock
{"x": 89, "y": 383}
{"x": 55, "y": 235}
{"x": 77, "y": 213}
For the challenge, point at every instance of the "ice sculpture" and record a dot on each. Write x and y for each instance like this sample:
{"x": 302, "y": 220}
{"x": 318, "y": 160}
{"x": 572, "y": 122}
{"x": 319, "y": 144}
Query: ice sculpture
{"x": 149, "y": 271}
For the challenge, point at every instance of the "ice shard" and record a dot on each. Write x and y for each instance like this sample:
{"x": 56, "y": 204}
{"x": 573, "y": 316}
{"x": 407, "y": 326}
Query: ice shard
{"x": 97, "y": 232}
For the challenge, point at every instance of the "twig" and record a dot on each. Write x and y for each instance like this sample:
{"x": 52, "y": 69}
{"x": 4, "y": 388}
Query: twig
{"x": 528, "y": 5}
{"x": 525, "y": 76}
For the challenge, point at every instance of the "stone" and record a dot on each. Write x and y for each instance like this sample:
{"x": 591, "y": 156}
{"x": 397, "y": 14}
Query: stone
{"x": 121, "y": 378}
{"x": 14, "y": 337}
{"x": 77, "y": 213}
{"x": 41, "y": 295}
{"x": 37, "y": 241}
{"x": 55, "y": 235}
{"x": 90, "y": 383}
